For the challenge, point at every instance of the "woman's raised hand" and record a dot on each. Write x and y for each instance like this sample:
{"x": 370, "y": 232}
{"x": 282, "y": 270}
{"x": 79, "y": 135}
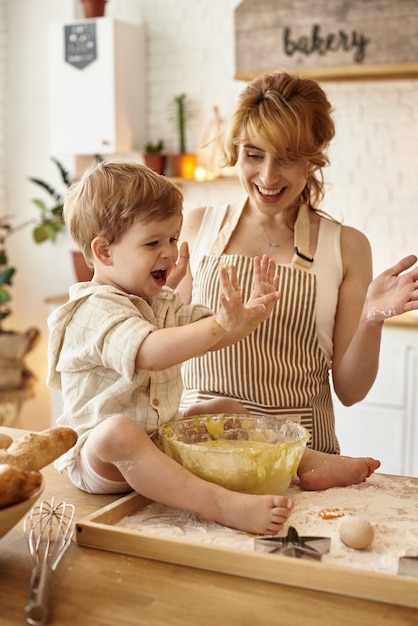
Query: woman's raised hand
{"x": 393, "y": 292}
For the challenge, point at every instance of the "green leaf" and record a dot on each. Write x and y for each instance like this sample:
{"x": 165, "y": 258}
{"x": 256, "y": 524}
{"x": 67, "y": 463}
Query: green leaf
{"x": 152, "y": 148}
{"x": 44, "y": 232}
{"x": 65, "y": 175}
{"x": 41, "y": 205}
{"x": 4, "y": 296}
{"x": 6, "y": 276}
{"x": 57, "y": 211}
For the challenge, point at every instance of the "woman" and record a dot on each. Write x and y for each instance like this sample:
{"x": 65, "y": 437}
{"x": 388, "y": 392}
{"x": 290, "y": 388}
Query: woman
{"x": 330, "y": 316}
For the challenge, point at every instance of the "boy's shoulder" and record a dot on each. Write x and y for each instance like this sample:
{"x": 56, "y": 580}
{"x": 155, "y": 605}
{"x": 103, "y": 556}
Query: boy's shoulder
{"x": 85, "y": 298}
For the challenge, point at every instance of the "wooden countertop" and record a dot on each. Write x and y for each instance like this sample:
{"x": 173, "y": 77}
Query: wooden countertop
{"x": 55, "y": 301}
{"x": 407, "y": 320}
{"x": 103, "y": 589}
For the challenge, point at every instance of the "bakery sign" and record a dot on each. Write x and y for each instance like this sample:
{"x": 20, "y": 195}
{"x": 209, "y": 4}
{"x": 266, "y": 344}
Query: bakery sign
{"x": 337, "y": 40}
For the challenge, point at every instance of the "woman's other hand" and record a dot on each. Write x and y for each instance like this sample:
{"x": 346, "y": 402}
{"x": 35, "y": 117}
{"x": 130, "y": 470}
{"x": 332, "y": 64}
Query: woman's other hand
{"x": 393, "y": 292}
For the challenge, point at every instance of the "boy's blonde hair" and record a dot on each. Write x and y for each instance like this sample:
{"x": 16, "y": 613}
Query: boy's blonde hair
{"x": 111, "y": 196}
{"x": 287, "y": 116}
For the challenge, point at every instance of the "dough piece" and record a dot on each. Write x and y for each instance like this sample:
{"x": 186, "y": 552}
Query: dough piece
{"x": 5, "y": 441}
{"x": 17, "y": 484}
{"x": 356, "y": 532}
{"x": 35, "y": 450}
{"x": 331, "y": 513}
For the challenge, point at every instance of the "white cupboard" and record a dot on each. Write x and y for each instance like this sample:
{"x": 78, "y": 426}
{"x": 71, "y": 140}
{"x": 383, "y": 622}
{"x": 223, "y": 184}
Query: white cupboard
{"x": 385, "y": 423}
{"x": 96, "y": 87}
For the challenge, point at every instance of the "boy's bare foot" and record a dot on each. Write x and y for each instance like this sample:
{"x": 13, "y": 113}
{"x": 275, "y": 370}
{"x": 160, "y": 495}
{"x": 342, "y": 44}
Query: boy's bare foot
{"x": 257, "y": 514}
{"x": 318, "y": 470}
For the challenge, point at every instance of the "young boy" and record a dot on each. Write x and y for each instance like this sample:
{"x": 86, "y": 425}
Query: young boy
{"x": 116, "y": 347}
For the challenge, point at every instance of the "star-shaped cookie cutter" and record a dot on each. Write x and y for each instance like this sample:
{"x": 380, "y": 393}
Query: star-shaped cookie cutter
{"x": 293, "y": 545}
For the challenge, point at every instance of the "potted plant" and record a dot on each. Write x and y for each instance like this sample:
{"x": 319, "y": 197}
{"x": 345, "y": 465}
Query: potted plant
{"x": 93, "y": 8}
{"x": 51, "y": 220}
{"x": 182, "y": 163}
{"x": 154, "y": 156}
{"x": 16, "y": 380}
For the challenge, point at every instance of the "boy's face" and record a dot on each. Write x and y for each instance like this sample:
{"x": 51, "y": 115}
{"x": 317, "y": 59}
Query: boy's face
{"x": 141, "y": 260}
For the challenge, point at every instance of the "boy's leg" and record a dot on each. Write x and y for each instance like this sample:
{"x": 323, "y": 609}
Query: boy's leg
{"x": 214, "y": 406}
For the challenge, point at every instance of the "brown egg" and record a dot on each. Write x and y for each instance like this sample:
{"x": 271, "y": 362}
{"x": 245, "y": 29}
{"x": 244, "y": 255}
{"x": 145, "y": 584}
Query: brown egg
{"x": 356, "y": 532}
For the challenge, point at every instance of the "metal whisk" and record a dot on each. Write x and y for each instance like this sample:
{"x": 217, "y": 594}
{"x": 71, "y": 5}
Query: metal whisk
{"x": 49, "y": 530}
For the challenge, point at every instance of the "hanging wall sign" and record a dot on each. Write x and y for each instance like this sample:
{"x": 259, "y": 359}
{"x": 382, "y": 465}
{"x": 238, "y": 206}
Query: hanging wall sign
{"x": 80, "y": 44}
{"x": 342, "y": 39}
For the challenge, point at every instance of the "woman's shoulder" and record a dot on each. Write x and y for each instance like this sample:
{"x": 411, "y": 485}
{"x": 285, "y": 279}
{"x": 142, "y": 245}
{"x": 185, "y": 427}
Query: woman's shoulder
{"x": 348, "y": 234}
{"x": 192, "y": 222}
{"x": 210, "y": 216}
{"x": 193, "y": 218}
{"x": 356, "y": 251}
{"x": 353, "y": 236}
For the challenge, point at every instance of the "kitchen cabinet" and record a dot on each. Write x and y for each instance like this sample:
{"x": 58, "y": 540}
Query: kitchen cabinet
{"x": 96, "y": 87}
{"x": 385, "y": 423}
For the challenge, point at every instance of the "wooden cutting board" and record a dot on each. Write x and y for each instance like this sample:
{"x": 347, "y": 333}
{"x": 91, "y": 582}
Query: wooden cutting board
{"x": 105, "y": 529}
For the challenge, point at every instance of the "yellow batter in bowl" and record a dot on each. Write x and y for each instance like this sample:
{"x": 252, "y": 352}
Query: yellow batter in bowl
{"x": 240, "y": 452}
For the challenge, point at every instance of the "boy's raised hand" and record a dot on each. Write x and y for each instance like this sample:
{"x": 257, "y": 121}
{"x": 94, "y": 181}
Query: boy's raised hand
{"x": 181, "y": 267}
{"x": 232, "y": 312}
{"x": 265, "y": 284}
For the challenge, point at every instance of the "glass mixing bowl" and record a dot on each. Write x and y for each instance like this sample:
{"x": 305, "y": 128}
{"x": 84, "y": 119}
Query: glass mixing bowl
{"x": 243, "y": 453}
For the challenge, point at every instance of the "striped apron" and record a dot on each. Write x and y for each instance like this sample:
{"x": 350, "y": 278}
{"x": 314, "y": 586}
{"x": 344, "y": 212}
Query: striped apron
{"x": 280, "y": 368}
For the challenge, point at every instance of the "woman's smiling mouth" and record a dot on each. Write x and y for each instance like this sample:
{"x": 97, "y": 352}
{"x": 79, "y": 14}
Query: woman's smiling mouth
{"x": 270, "y": 193}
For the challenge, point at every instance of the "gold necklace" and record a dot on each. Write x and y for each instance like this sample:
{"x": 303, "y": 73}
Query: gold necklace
{"x": 272, "y": 244}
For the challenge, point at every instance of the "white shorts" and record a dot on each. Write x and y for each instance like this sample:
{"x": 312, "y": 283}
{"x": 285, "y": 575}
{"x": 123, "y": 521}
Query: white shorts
{"x": 83, "y": 476}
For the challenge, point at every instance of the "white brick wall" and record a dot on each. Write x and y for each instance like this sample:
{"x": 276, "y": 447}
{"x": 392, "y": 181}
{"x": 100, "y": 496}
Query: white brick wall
{"x": 189, "y": 49}
{"x": 374, "y": 164}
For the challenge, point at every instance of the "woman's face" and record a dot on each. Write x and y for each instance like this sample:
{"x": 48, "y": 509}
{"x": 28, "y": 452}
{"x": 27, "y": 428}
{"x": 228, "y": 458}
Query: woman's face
{"x": 271, "y": 182}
